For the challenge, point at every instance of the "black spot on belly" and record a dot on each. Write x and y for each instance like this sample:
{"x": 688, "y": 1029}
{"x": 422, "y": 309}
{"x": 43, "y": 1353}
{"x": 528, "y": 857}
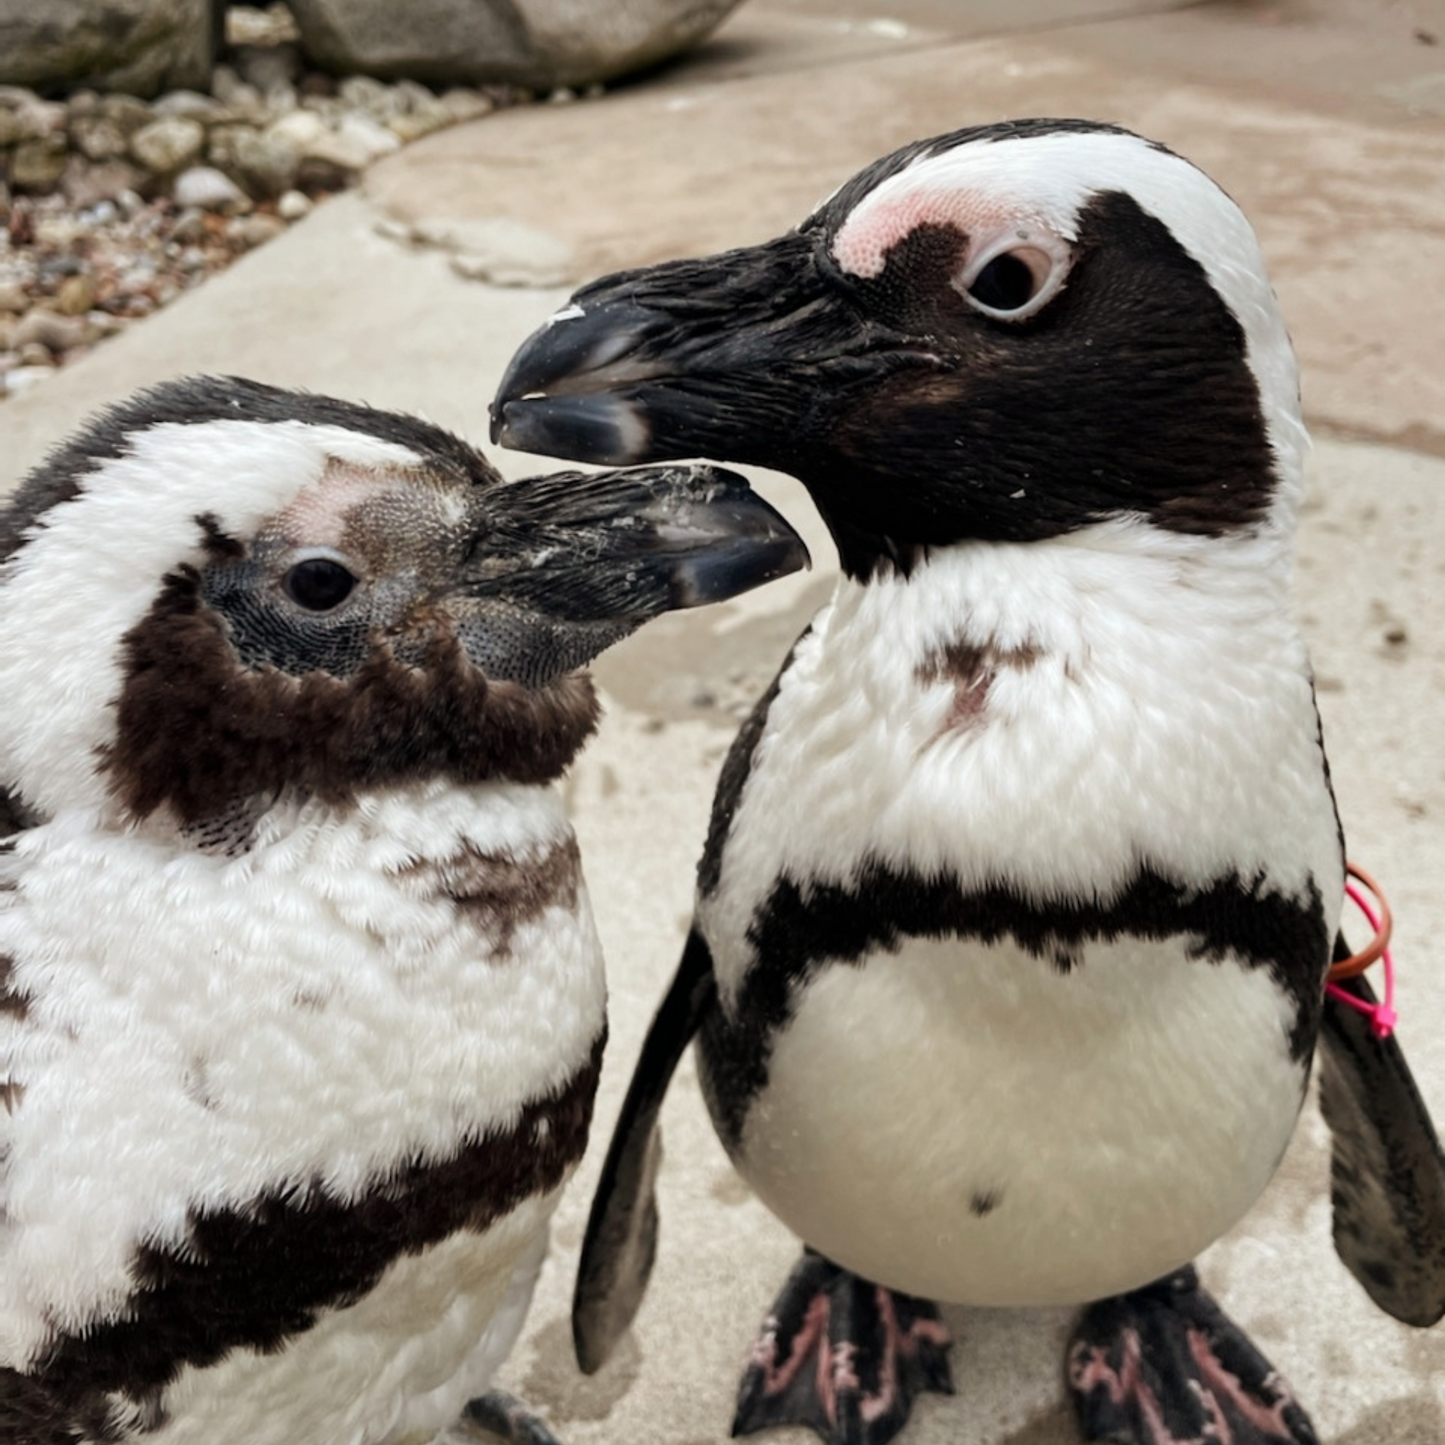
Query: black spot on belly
{"x": 252, "y": 1275}
{"x": 984, "y": 1202}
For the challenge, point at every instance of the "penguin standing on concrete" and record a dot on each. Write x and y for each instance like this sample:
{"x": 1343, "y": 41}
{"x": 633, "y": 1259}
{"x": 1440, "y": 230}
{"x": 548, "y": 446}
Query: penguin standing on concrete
{"x": 301, "y": 1003}
{"x": 1023, "y": 878}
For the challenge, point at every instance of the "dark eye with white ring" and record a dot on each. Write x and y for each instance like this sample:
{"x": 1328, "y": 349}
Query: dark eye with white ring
{"x": 1016, "y": 274}
{"x": 318, "y": 583}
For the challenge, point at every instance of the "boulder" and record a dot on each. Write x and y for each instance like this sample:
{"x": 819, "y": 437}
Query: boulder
{"x": 540, "y": 44}
{"x": 140, "y": 46}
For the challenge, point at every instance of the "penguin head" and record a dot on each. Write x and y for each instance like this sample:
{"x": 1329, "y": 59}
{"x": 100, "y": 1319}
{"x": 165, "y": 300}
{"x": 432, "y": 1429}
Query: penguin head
{"x": 1005, "y": 334}
{"x": 220, "y": 591}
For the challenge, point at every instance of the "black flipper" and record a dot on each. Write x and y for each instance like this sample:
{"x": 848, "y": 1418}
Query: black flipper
{"x": 503, "y": 1417}
{"x": 1387, "y": 1170}
{"x": 1165, "y": 1365}
{"x": 842, "y": 1356}
{"x": 621, "y": 1240}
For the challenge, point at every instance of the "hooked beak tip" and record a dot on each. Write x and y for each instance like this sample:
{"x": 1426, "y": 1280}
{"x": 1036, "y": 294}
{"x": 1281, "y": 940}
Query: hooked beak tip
{"x": 603, "y": 428}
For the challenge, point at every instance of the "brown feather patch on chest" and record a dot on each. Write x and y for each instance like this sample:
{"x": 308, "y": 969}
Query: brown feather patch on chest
{"x": 497, "y": 894}
{"x": 13, "y": 1003}
{"x": 972, "y": 670}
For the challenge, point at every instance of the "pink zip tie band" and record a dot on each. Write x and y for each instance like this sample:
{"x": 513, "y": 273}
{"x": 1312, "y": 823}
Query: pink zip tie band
{"x": 1382, "y": 1015}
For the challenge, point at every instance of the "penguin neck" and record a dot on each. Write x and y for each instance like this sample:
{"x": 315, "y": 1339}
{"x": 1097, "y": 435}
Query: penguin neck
{"x": 1120, "y": 585}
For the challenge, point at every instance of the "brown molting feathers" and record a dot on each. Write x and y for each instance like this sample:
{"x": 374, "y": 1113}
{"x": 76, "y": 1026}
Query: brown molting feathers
{"x": 13, "y": 1003}
{"x": 195, "y": 731}
{"x": 972, "y": 670}
{"x": 498, "y": 894}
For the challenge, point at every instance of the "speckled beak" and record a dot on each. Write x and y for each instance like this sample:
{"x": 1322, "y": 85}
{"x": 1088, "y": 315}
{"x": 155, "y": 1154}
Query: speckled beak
{"x": 562, "y": 566}
{"x": 632, "y": 544}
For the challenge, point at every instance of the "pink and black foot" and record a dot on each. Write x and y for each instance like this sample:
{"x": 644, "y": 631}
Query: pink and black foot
{"x": 1166, "y": 1366}
{"x": 842, "y": 1356}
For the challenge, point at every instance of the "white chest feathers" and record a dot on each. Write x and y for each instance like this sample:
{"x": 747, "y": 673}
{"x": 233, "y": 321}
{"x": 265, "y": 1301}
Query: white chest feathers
{"x": 1044, "y": 717}
{"x": 357, "y": 996}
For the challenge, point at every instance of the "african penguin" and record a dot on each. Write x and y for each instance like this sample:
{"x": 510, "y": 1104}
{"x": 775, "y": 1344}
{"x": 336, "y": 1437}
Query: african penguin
{"x": 1023, "y": 879}
{"x": 301, "y": 1002}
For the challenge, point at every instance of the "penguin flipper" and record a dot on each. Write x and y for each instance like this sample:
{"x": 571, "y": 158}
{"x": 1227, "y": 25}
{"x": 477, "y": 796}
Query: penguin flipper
{"x": 621, "y": 1239}
{"x": 1386, "y": 1168}
{"x": 1164, "y": 1365}
{"x": 842, "y": 1356}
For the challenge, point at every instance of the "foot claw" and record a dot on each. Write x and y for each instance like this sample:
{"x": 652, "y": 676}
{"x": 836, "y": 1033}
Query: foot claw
{"x": 843, "y": 1357}
{"x": 1166, "y": 1366}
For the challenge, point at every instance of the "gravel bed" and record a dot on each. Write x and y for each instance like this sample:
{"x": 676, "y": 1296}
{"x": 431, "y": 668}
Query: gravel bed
{"x": 111, "y": 206}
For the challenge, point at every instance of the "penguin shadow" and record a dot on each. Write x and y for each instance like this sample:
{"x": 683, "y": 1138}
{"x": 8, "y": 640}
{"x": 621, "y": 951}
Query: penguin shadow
{"x": 709, "y": 666}
{"x": 1409, "y": 1420}
{"x": 1056, "y": 1426}
{"x": 569, "y": 1395}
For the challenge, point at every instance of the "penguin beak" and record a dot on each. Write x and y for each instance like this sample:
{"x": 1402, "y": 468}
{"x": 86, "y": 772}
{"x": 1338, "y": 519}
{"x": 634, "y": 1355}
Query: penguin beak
{"x": 625, "y": 546}
{"x": 745, "y": 355}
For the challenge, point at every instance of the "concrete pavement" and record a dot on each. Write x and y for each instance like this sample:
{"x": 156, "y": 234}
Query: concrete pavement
{"x": 1326, "y": 119}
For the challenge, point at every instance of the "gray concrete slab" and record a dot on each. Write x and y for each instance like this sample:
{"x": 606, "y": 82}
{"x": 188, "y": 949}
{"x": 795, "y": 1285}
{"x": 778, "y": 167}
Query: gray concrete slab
{"x": 1349, "y": 200}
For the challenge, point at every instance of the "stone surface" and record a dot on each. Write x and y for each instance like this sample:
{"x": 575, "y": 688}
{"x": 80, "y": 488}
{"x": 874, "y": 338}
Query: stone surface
{"x": 500, "y": 251}
{"x": 537, "y": 43}
{"x": 142, "y": 46}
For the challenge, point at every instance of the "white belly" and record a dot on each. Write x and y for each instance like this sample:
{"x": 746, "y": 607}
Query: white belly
{"x": 965, "y": 1123}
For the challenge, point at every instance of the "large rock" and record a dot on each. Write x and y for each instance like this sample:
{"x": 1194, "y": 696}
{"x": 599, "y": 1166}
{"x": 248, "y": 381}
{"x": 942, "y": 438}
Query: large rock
{"x": 540, "y": 44}
{"x": 140, "y": 46}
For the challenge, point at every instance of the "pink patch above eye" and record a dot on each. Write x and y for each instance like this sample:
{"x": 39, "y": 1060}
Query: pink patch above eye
{"x": 864, "y": 240}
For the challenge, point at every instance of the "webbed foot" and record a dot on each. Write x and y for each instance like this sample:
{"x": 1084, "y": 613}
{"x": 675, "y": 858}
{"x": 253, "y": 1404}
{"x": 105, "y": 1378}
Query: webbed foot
{"x": 1165, "y": 1365}
{"x": 503, "y": 1417}
{"x": 842, "y": 1356}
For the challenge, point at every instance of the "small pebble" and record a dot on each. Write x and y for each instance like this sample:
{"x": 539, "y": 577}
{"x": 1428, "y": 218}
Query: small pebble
{"x": 75, "y": 295}
{"x": 49, "y": 329}
{"x": 204, "y": 188}
{"x": 168, "y": 144}
{"x": 190, "y": 226}
{"x": 22, "y": 378}
{"x": 254, "y": 230}
{"x": 293, "y": 205}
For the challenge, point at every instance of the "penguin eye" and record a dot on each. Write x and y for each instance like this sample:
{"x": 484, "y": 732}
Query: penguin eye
{"x": 1014, "y": 279}
{"x": 318, "y": 583}
{"x": 1007, "y": 283}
